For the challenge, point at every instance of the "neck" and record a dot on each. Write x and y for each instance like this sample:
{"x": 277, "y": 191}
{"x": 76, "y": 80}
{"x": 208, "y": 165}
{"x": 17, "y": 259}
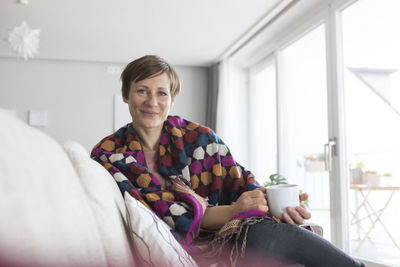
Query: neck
{"x": 149, "y": 138}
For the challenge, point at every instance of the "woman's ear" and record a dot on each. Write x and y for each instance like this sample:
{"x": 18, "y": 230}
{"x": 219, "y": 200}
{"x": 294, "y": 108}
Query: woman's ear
{"x": 124, "y": 99}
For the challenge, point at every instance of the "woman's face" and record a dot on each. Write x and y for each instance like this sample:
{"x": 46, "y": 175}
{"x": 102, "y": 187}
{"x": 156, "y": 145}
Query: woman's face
{"x": 149, "y": 102}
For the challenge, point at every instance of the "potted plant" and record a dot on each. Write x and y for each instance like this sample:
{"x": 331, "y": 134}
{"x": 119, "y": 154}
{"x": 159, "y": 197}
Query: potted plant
{"x": 356, "y": 172}
{"x": 387, "y": 179}
{"x": 275, "y": 179}
{"x": 371, "y": 177}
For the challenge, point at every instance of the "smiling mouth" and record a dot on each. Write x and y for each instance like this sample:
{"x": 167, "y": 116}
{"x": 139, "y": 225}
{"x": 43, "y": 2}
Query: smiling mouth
{"x": 149, "y": 113}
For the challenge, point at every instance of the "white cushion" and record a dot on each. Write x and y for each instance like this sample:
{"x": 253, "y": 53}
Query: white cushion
{"x": 45, "y": 219}
{"x": 71, "y": 145}
{"x": 106, "y": 202}
{"x": 155, "y": 245}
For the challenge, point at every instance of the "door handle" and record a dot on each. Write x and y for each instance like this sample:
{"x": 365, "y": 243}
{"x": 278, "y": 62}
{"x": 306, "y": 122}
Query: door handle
{"x": 329, "y": 152}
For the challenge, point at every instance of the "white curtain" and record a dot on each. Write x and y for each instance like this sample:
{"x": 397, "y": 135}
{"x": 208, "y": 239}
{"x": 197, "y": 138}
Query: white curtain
{"x": 232, "y": 110}
{"x": 212, "y": 96}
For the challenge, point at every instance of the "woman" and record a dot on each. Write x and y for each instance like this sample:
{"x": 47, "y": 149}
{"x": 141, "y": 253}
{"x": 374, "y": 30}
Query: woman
{"x": 188, "y": 177}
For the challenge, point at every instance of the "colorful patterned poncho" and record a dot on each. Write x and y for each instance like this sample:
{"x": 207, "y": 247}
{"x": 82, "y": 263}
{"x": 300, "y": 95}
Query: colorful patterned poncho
{"x": 199, "y": 170}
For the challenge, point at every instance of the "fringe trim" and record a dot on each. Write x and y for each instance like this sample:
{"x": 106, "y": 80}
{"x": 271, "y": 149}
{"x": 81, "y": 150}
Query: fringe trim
{"x": 219, "y": 243}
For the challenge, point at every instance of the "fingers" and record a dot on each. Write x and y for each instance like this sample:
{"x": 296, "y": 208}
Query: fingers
{"x": 304, "y": 212}
{"x": 294, "y": 215}
{"x": 251, "y": 205}
{"x": 251, "y": 200}
{"x": 263, "y": 208}
{"x": 303, "y": 197}
{"x": 258, "y": 193}
{"x": 287, "y": 218}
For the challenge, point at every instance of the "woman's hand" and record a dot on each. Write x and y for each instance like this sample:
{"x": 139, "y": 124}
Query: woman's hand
{"x": 298, "y": 214}
{"x": 251, "y": 200}
{"x": 215, "y": 217}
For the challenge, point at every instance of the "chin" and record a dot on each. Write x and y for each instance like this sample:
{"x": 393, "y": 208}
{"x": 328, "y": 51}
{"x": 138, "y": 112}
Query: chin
{"x": 150, "y": 125}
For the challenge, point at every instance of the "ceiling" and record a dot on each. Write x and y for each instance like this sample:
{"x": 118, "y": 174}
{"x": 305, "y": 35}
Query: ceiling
{"x": 184, "y": 32}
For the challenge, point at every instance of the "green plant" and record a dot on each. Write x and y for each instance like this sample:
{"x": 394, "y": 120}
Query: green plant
{"x": 387, "y": 174}
{"x": 360, "y": 165}
{"x": 315, "y": 157}
{"x": 275, "y": 179}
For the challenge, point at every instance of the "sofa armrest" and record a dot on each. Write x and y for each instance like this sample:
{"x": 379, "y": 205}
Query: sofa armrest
{"x": 317, "y": 228}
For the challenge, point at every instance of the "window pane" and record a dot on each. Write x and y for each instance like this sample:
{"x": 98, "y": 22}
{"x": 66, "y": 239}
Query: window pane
{"x": 262, "y": 119}
{"x": 303, "y": 123}
{"x": 372, "y": 91}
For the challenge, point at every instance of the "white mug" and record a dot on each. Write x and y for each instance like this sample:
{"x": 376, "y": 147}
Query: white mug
{"x": 280, "y": 197}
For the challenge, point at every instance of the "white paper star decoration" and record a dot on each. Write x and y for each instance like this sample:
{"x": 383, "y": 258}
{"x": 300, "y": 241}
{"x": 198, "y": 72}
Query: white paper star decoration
{"x": 24, "y": 41}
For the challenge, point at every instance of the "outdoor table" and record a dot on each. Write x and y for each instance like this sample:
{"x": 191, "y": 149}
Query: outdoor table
{"x": 373, "y": 214}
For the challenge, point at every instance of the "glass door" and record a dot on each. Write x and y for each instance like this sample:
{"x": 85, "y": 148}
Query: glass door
{"x": 303, "y": 121}
{"x": 263, "y": 121}
{"x": 371, "y": 68}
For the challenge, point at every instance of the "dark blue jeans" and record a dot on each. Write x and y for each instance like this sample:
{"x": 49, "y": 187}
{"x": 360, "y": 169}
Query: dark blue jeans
{"x": 279, "y": 244}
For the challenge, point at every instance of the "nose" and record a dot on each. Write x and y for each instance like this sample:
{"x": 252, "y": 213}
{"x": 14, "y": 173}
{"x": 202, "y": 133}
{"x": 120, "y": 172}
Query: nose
{"x": 152, "y": 100}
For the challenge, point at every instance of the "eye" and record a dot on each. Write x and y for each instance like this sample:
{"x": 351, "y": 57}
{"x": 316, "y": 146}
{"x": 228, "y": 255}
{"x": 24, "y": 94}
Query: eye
{"x": 162, "y": 93}
{"x": 141, "y": 91}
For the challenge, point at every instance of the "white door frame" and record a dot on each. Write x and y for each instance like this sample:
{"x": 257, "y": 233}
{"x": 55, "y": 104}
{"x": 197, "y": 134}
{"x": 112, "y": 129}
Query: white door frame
{"x": 339, "y": 181}
{"x": 336, "y": 130}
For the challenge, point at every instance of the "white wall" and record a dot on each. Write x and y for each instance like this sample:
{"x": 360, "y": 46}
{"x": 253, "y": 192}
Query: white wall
{"x": 79, "y": 95}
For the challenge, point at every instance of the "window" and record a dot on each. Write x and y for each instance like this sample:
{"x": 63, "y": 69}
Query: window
{"x": 262, "y": 121}
{"x": 332, "y": 75}
{"x": 371, "y": 59}
{"x": 303, "y": 121}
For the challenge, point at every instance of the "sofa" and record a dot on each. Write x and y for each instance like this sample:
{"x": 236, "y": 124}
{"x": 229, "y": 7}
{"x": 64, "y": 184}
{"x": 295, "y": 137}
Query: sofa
{"x": 60, "y": 208}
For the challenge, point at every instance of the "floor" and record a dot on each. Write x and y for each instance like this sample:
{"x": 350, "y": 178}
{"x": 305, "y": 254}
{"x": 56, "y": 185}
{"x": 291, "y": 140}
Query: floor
{"x": 381, "y": 249}
{"x": 386, "y": 253}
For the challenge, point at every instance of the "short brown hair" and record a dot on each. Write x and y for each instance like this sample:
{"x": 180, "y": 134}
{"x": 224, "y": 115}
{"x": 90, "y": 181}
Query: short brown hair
{"x": 145, "y": 67}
